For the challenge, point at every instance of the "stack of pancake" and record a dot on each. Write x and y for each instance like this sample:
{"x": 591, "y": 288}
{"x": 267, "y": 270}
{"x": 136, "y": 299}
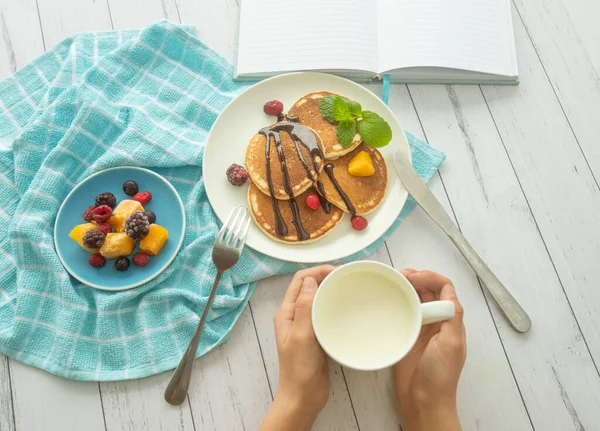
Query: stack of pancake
{"x": 297, "y": 171}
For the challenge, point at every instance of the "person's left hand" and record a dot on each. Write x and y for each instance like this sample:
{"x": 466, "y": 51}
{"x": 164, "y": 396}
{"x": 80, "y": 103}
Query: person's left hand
{"x": 303, "y": 366}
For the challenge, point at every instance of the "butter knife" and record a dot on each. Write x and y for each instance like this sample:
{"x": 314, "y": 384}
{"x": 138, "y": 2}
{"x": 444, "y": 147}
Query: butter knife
{"x": 515, "y": 314}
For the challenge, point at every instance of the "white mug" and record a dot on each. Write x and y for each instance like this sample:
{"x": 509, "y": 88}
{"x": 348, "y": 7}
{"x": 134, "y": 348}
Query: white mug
{"x": 367, "y": 316}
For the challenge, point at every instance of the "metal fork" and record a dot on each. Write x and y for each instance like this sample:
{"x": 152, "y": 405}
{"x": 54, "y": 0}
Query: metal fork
{"x": 226, "y": 252}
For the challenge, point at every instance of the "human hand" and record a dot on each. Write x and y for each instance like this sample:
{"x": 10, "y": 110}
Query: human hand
{"x": 303, "y": 367}
{"x": 427, "y": 377}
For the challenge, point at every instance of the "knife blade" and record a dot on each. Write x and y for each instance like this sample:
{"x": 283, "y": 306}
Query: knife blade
{"x": 515, "y": 314}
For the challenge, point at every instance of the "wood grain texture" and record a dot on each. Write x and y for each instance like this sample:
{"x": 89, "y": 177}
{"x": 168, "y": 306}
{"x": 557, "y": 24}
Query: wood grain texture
{"x": 488, "y": 397}
{"x": 16, "y": 18}
{"x": 561, "y": 190}
{"x": 140, "y": 13}
{"x": 216, "y": 23}
{"x": 7, "y": 420}
{"x": 229, "y": 388}
{"x": 139, "y": 404}
{"x": 566, "y": 37}
{"x": 43, "y": 401}
{"x": 60, "y": 19}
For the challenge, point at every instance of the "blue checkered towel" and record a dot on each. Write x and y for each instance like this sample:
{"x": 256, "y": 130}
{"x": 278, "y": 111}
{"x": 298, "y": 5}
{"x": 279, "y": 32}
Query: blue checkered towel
{"x": 98, "y": 100}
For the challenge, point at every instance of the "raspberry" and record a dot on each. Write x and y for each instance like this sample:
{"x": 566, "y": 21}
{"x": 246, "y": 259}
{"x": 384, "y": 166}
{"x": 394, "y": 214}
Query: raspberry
{"x": 122, "y": 263}
{"x": 237, "y": 175}
{"x": 359, "y": 222}
{"x": 130, "y": 188}
{"x": 93, "y": 239}
{"x": 88, "y": 214}
{"x": 106, "y": 198}
{"x": 141, "y": 259}
{"x": 104, "y": 228}
{"x": 273, "y": 107}
{"x": 313, "y": 201}
{"x": 137, "y": 225}
{"x": 102, "y": 213}
{"x": 97, "y": 260}
{"x": 143, "y": 197}
{"x": 151, "y": 216}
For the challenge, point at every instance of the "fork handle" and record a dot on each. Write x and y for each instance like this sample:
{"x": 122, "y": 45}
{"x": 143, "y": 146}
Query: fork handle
{"x": 180, "y": 382}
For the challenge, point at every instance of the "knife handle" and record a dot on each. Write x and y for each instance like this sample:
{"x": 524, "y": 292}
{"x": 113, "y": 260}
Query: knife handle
{"x": 517, "y": 317}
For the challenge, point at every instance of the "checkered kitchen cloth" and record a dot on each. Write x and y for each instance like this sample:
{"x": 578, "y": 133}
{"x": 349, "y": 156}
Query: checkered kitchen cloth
{"x": 97, "y": 100}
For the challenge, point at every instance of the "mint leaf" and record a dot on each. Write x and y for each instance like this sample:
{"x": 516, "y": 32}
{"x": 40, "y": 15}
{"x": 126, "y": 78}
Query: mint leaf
{"x": 354, "y": 107}
{"x": 374, "y": 130}
{"x": 340, "y": 109}
{"x": 326, "y": 108}
{"x": 346, "y": 130}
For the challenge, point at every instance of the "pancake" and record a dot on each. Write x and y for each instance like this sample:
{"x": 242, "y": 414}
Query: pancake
{"x": 364, "y": 193}
{"x": 299, "y": 178}
{"x": 317, "y": 223}
{"x": 308, "y": 113}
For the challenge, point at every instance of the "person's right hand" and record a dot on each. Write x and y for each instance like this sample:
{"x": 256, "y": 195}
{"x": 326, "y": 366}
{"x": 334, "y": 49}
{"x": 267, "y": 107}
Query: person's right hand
{"x": 427, "y": 377}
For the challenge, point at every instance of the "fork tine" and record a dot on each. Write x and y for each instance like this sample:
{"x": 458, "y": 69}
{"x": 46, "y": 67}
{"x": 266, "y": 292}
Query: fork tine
{"x": 242, "y": 224}
{"x": 233, "y": 224}
{"x": 244, "y": 235}
{"x": 239, "y": 227}
{"x": 221, "y": 233}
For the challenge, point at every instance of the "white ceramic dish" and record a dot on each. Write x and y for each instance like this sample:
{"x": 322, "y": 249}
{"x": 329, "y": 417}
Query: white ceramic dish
{"x": 244, "y": 116}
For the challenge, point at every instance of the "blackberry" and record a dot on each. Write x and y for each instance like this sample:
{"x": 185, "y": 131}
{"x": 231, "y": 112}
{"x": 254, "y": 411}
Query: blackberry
{"x": 122, "y": 263}
{"x": 130, "y": 188}
{"x": 237, "y": 175}
{"x": 106, "y": 198}
{"x": 151, "y": 216}
{"x": 137, "y": 225}
{"x": 93, "y": 238}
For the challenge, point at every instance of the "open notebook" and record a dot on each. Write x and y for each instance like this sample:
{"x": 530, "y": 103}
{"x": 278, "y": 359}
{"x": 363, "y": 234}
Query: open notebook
{"x": 444, "y": 41}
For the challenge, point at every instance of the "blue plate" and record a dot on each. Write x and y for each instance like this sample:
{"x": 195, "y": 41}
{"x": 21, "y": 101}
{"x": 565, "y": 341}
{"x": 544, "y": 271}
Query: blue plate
{"x": 165, "y": 203}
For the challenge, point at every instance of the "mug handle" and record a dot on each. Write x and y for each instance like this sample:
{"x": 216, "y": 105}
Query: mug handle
{"x": 436, "y": 311}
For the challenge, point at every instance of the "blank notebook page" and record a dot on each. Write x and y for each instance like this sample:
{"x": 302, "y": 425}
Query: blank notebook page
{"x": 283, "y": 35}
{"x": 473, "y": 35}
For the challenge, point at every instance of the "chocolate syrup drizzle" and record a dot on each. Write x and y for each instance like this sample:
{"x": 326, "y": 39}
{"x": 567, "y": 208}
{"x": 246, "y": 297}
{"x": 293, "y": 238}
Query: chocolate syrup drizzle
{"x": 329, "y": 170}
{"x": 302, "y": 136}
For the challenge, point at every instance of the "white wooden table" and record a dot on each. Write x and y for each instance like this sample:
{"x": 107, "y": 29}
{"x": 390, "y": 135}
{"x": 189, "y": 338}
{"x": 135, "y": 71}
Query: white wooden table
{"x": 520, "y": 180}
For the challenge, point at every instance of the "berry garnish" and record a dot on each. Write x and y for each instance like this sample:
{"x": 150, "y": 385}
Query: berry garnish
{"x": 137, "y": 226}
{"x": 141, "y": 259}
{"x": 88, "y": 213}
{"x": 237, "y": 175}
{"x": 93, "y": 239}
{"x": 359, "y": 222}
{"x": 143, "y": 197}
{"x": 273, "y": 107}
{"x": 313, "y": 201}
{"x": 130, "y": 188}
{"x": 122, "y": 263}
{"x": 106, "y": 198}
{"x": 97, "y": 260}
{"x": 102, "y": 213}
{"x": 104, "y": 228}
{"x": 151, "y": 216}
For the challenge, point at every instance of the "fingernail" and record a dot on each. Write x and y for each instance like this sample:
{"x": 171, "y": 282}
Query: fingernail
{"x": 309, "y": 284}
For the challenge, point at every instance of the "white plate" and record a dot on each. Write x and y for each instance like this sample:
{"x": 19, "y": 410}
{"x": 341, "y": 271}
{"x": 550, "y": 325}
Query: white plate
{"x": 244, "y": 116}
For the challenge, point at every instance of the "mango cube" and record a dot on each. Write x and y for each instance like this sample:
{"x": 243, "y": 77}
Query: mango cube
{"x": 361, "y": 165}
{"x": 122, "y": 211}
{"x": 118, "y": 222}
{"x": 117, "y": 244}
{"x": 127, "y": 207}
{"x": 79, "y": 231}
{"x": 155, "y": 240}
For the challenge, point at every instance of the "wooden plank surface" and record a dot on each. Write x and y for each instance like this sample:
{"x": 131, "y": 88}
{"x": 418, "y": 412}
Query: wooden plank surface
{"x": 521, "y": 180}
{"x": 16, "y": 18}
{"x": 7, "y": 420}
